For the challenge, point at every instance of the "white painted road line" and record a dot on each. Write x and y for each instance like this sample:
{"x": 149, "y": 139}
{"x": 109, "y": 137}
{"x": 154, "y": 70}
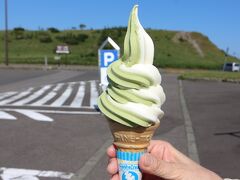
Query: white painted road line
{"x": 4, "y": 115}
{"x": 16, "y": 97}
{"x": 58, "y": 87}
{"x": 48, "y": 97}
{"x": 63, "y": 98}
{"x": 35, "y": 95}
{"x": 34, "y": 115}
{"x": 68, "y": 112}
{"x": 93, "y": 94}
{"x": 31, "y": 174}
{"x": 5, "y": 95}
{"x": 78, "y": 99}
{"x": 52, "y": 111}
{"x": 50, "y": 106}
{"x": 191, "y": 140}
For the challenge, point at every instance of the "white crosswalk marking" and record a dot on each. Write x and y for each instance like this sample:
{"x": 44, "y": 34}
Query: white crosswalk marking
{"x": 16, "y": 97}
{"x": 62, "y": 99}
{"x": 93, "y": 94}
{"x": 48, "y": 97}
{"x": 66, "y": 98}
{"x": 4, "y": 115}
{"x": 77, "y": 101}
{"x": 5, "y": 95}
{"x": 34, "y": 115}
{"x": 35, "y": 95}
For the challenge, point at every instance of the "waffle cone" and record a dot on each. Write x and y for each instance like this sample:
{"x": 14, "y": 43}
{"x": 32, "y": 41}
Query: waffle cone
{"x": 132, "y": 139}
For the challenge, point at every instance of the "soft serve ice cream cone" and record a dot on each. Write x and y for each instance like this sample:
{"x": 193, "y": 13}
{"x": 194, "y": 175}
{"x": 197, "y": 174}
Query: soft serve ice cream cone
{"x": 132, "y": 101}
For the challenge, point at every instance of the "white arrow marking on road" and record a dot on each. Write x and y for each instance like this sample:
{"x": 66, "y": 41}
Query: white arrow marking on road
{"x": 18, "y": 96}
{"x": 94, "y": 94}
{"x": 5, "y": 95}
{"x": 34, "y": 115}
{"x": 35, "y": 95}
{"x": 49, "y": 96}
{"x": 4, "y": 115}
{"x": 31, "y": 174}
{"x": 62, "y": 99}
{"x": 77, "y": 101}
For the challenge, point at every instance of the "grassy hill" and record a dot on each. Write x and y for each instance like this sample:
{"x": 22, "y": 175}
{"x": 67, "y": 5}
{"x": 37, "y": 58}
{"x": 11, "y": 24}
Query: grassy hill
{"x": 172, "y": 49}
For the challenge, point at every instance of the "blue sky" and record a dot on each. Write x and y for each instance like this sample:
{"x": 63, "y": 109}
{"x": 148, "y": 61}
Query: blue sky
{"x": 218, "y": 19}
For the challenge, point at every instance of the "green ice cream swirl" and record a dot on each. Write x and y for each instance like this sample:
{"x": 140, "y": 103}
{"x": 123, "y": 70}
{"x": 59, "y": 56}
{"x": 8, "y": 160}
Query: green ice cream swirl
{"x": 134, "y": 95}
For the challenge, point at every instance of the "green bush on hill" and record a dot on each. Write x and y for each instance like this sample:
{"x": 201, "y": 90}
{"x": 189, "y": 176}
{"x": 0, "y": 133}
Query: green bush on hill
{"x": 72, "y": 39}
{"x": 18, "y": 33}
{"x": 44, "y": 37}
{"x": 115, "y": 33}
{"x": 18, "y": 29}
{"x": 53, "y": 30}
{"x": 81, "y": 37}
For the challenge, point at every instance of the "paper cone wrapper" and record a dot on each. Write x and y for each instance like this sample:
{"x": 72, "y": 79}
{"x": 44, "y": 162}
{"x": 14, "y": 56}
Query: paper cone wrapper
{"x": 131, "y": 144}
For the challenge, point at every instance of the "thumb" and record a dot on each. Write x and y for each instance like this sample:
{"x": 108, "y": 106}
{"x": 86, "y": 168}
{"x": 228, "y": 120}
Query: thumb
{"x": 151, "y": 165}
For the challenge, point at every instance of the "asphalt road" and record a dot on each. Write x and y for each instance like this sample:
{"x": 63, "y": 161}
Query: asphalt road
{"x": 58, "y": 133}
{"x": 215, "y": 112}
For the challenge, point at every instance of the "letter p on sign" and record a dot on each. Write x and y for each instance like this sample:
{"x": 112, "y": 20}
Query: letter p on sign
{"x": 108, "y": 58}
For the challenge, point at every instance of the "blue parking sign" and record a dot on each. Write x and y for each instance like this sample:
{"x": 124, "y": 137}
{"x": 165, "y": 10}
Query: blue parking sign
{"x": 108, "y": 56}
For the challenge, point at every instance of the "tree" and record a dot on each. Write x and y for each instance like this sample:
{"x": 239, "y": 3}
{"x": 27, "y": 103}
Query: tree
{"x": 53, "y": 30}
{"x": 18, "y": 29}
{"x": 82, "y": 26}
{"x": 18, "y": 33}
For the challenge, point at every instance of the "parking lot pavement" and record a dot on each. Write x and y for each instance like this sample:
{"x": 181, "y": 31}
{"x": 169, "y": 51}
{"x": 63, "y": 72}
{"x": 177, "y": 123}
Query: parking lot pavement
{"x": 49, "y": 128}
{"x": 44, "y": 131}
{"x": 52, "y": 131}
{"x": 214, "y": 111}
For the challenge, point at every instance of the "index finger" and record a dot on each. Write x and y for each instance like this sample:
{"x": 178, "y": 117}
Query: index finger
{"x": 111, "y": 152}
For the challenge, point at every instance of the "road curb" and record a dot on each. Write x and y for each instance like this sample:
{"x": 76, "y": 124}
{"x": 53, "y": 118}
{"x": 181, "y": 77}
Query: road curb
{"x": 49, "y": 67}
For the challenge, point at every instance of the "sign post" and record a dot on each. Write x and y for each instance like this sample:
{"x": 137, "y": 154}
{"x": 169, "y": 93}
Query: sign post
{"x": 105, "y": 58}
{"x": 61, "y": 49}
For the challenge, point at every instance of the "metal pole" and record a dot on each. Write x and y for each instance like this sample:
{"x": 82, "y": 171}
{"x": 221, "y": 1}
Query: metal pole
{"x": 6, "y": 33}
{"x": 226, "y": 55}
{"x": 46, "y": 63}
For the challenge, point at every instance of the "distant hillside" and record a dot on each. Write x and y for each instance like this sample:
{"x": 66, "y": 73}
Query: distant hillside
{"x": 172, "y": 49}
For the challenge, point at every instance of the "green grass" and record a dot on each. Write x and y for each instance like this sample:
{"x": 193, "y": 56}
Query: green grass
{"x": 211, "y": 75}
{"x": 168, "y": 53}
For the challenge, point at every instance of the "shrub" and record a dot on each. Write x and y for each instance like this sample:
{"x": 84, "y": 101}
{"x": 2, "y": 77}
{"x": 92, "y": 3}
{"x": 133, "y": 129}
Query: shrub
{"x": 82, "y": 26}
{"x": 115, "y": 33}
{"x": 102, "y": 37}
{"x": 71, "y": 38}
{"x": 81, "y": 37}
{"x": 181, "y": 39}
{"x": 28, "y": 35}
{"x": 71, "y": 41}
{"x": 90, "y": 54}
{"x": 53, "y": 30}
{"x": 18, "y": 33}
{"x": 60, "y": 38}
{"x": 45, "y": 38}
{"x": 18, "y": 29}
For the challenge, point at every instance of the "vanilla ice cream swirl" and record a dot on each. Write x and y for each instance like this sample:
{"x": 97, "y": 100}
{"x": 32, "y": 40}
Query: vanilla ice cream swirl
{"x": 134, "y": 95}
